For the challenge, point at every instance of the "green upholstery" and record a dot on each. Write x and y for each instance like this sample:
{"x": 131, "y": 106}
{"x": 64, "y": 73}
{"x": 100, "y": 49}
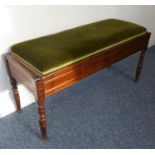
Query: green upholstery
{"x": 52, "y": 52}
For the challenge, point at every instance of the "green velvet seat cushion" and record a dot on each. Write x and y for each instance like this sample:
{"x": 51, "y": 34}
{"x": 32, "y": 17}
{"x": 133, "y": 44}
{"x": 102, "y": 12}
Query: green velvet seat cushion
{"x": 49, "y": 53}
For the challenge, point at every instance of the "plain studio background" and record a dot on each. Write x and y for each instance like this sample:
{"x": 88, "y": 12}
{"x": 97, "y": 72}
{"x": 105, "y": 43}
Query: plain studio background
{"x": 19, "y": 23}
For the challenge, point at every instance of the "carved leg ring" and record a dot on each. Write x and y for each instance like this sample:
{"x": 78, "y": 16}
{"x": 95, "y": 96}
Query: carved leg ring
{"x": 41, "y": 109}
{"x": 16, "y": 94}
{"x": 140, "y": 64}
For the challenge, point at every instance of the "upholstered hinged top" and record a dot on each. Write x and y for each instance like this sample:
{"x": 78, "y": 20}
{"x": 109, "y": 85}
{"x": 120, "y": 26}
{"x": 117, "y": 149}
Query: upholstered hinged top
{"x": 50, "y": 53}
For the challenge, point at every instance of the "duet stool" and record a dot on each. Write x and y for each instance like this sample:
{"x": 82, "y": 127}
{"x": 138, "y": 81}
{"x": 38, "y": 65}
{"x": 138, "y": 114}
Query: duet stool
{"x": 51, "y": 63}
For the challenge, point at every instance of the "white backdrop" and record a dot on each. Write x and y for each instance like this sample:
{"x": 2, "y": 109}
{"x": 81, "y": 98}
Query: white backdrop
{"x": 19, "y": 23}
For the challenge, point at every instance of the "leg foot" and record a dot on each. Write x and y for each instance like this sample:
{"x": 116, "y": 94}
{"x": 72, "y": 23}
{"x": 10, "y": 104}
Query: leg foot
{"x": 43, "y": 131}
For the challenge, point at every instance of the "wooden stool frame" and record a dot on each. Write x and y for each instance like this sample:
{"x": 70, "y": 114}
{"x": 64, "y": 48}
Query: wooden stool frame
{"x": 43, "y": 86}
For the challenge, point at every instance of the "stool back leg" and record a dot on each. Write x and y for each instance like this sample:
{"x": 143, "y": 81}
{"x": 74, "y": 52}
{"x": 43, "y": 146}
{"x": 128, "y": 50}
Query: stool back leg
{"x": 16, "y": 94}
{"x": 140, "y": 64}
{"x": 13, "y": 83}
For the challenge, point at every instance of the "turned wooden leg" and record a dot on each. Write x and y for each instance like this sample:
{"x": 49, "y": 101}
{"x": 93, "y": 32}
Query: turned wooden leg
{"x": 140, "y": 64}
{"x": 14, "y": 87}
{"x": 42, "y": 120}
{"x": 41, "y": 108}
{"x": 15, "y": 93}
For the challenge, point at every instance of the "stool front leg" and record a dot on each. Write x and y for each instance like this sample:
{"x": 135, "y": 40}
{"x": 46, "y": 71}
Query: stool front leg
{"x": 41, "y": 108}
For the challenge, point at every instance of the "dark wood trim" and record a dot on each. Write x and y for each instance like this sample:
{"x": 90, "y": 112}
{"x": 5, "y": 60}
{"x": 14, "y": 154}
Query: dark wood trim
{"x": 43, "y": 86}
